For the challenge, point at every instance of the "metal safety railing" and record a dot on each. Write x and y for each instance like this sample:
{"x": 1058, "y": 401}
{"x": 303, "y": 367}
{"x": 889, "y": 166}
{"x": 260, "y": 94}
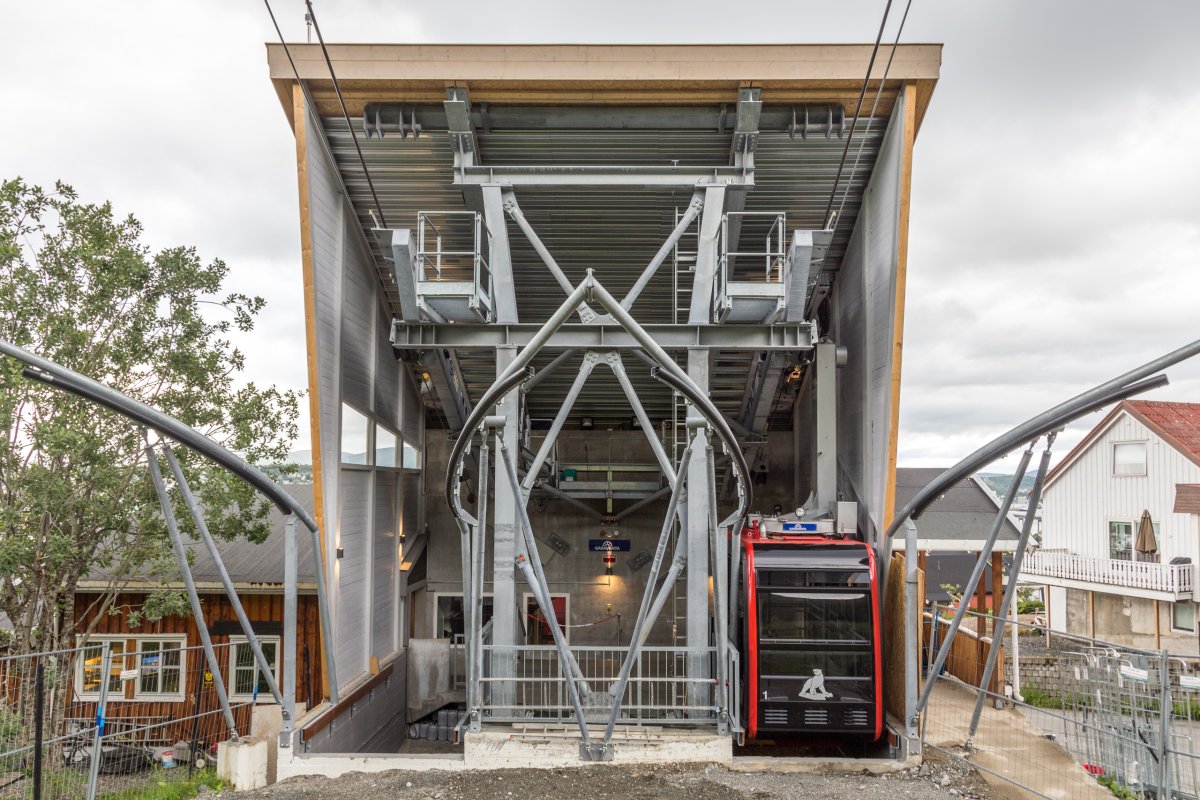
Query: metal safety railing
{"x": 659, "y": 690}
{"x": 450, "y": 247}
{"x": 1149, "y": 575}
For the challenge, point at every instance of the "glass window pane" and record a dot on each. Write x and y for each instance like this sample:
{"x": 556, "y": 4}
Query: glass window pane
{"x": 412, "y": 457}
{"x": 815, "y": 616}
{"x": 385, "y": 447}
{"x": 1129, "y": 458}
{"x": 354, "y": 436}
{"x": 1183, "y": 616}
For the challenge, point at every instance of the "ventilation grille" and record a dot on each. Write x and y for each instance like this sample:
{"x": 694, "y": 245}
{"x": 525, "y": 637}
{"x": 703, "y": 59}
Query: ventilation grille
{"x": 775, "y": 716}
{"x": 859, "y": 717}
{"x": 815, "y": 716}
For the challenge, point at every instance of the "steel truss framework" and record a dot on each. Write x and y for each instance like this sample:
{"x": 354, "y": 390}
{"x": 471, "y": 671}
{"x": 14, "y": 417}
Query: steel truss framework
{"x": 526, "y": 558}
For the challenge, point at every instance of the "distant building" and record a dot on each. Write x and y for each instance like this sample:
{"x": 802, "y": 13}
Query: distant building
{"x": 1143, "y": 457}
{"x": 257, "y": 574}
{"x": 952, "y": 531}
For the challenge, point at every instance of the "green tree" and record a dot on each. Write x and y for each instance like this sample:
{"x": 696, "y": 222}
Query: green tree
{"x": 78, "y": 286}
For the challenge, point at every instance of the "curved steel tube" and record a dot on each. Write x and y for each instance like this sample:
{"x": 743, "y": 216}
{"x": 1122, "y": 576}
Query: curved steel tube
{"x": 714, "y": 417}
{"x": 501, "y": 387}
{"x": 47, "y": 372}
{"x": 1043, "y": 423}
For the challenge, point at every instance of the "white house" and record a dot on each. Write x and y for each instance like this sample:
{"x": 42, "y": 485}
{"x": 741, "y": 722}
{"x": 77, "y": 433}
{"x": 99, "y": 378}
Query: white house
{"x": 1143, "y": 457}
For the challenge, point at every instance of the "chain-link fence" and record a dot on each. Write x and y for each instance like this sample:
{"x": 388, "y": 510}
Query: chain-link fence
{"x": 119, "y": 719}
{"x": 1073, "y": 717}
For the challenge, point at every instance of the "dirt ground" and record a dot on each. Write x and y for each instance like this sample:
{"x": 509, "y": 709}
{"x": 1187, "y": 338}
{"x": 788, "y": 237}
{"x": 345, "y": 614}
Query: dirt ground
{"x": 938, "y": 779}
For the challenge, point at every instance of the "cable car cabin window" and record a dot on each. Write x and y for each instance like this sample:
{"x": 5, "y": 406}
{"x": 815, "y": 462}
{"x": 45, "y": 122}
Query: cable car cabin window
{"x": 813, "y": 616}
{"x": 811, "y": 578}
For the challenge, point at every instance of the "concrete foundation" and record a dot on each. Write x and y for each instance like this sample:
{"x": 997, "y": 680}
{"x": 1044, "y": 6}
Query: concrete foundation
{"x": 243, "y": 764}
{"x": 503, "y": 750}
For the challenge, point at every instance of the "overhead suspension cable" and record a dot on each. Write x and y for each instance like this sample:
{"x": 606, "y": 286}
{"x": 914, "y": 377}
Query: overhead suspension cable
{"x": 345, "y": 114}
{"x": 871, "y": 117}
{"x": 858, "y": 110}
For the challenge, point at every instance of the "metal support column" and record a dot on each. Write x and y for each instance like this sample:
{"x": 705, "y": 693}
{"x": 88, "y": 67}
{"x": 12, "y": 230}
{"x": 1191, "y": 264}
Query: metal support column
{"x": 1010, "y": 591}
{"x": 706, "y": 256}
{"x": 291, "y": 573}
{"x": 504, "y": 549}
{"x": 698, "y": 527}
{"x": 264, "y": 666}
{"x": 825, "y": 391}
{"x": 912, "y": 650}
{"x": 185, "y": 571}
{"x": 499, "y": 256}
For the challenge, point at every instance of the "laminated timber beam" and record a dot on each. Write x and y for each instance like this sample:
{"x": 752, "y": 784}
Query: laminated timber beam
{"x": 779, "y": 337}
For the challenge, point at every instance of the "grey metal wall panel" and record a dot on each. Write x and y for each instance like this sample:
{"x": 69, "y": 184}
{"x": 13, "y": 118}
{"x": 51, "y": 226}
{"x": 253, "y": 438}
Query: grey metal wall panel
{"x": 383, "y": 566}
{"x": 358, "y": 327}
{"x": 387, "y": 378}
{"x": 327, "y": 231}
{"x": 373, "y": 723}
{"x": 354, "y": 518}
{"x": 865, "y": 303}
{"x": 413, "y": 413}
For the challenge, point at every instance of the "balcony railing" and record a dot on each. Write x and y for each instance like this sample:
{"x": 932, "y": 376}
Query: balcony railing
{"x": 1170, "y": 578}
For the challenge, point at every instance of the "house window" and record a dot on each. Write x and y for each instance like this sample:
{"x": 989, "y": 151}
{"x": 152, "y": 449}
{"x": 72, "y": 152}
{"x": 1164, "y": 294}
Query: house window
{"x": 90, "y": 672}
{"x": 160, "y": 668}
{"x": 1129, "y": 458}
{"x": 245, "y": 674}
{"x": 537, "y": 627}
{"x": 449, "y": 618}
{"x": 1183, "y": 617}
{"x": 355, "y": 435}
{"x": 1120, "y": 539}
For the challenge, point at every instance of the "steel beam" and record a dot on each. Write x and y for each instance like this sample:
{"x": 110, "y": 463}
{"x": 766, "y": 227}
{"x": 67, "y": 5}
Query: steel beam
{"x": 788, "y": 337}
{"x": 741, "y": 154}
{"x": 825, "y": 393}
{"x": 185, "y": 572}
{"x": 504, "y": 547}
{"x": 698, "y": 527}
{"x": 706, "y": 256}
{"x": 634, "y": 176}
{"x": 499, "y": 258}
{"x": 460, "y": 128}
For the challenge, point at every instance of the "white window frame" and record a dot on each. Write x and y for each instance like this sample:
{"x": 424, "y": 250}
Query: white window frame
{"x": 1194, "y": 617}
{"x": 1132, "y": 537}
{"x": 434, "y": 633}
{"x": 564, "y": 624}
{"x": 263, "y": 697}
{"x": 181, "y": 640}
{"x": 1145, "y": 459}
{"x": 397, "y": 450}
{"x": 99, "y": 640}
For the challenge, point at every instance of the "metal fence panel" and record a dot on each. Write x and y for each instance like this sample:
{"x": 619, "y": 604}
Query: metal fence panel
{"x": 158, "y": 725}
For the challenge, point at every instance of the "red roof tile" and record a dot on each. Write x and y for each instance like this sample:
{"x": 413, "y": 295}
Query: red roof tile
{"x": 1177, "y": 423}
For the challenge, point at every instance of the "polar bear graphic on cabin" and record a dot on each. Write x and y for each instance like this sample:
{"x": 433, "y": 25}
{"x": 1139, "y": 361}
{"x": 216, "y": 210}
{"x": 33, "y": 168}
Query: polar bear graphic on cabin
{"x": 814, "y": 687}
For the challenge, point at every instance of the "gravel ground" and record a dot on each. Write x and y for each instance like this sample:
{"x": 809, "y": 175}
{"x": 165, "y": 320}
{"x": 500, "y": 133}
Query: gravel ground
{"x": 938, "y": 779}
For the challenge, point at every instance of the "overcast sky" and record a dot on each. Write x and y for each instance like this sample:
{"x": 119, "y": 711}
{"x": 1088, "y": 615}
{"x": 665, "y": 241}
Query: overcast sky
{"x": 1055, "y": 233}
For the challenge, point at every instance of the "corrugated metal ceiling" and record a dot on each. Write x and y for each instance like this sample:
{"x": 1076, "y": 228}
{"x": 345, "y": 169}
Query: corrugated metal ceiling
{"x": 612, "y": 231}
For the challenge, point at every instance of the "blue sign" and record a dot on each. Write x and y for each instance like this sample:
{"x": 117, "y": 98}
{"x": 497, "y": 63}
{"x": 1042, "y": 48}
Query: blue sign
{"x": 608, "y": 545}
{"x": 803, "y": 527}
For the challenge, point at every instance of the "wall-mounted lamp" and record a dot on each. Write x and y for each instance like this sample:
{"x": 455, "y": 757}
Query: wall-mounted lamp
{"x": 341, "y": 551}
{"x": 586, "y": 423}
{"x": 609, "y": 560}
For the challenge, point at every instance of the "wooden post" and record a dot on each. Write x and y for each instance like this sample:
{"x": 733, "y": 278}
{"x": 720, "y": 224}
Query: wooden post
{"x": 1157, "y": 628}
{"x": 1046, "y": 602}
{"x": 1091, "y": 613}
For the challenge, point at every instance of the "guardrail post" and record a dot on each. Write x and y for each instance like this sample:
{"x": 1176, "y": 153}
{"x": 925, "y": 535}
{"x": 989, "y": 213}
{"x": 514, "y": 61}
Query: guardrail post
{"x": 1165, "y": 710}
{"x": 39, "y": 701}
{"x": 105, "y": 677}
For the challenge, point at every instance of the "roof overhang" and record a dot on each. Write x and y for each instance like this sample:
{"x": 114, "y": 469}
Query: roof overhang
{"x": 600, "y": 74}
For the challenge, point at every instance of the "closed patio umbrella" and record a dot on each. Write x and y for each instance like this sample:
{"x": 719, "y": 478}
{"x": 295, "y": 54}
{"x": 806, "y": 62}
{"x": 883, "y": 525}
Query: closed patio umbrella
{"x": 1146, "y": 543}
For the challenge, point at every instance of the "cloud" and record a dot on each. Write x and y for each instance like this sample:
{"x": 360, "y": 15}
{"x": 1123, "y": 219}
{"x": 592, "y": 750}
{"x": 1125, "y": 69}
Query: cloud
{"x": 1055, "y": 238}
